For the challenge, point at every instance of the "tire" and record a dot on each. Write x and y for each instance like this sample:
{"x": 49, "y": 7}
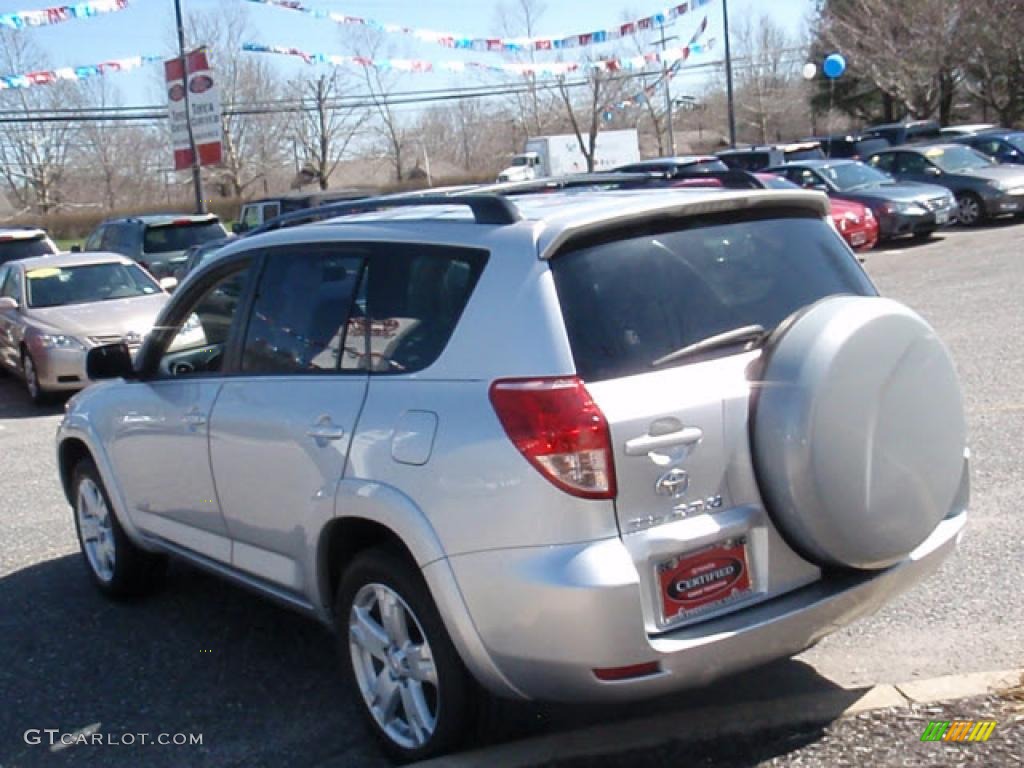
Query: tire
{"x": 971, "y": 209}
{"x": 382, "y": 612}
{"x": 116, "y": 565}
{"x": 36, "y": 393}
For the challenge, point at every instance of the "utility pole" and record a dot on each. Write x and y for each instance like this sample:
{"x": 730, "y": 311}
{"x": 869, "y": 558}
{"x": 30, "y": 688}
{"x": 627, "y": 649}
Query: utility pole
{"x": 197, "y": 177}
{"x": 668, "y": 91}
{"x": 728, "y": 76}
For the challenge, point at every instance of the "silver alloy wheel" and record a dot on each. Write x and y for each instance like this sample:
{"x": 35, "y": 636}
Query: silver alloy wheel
{"x": 95, "y": 528}
{"x": 31, "y": 377}
{"x": 970, "y": 210}
{"x": 394, "y": 665}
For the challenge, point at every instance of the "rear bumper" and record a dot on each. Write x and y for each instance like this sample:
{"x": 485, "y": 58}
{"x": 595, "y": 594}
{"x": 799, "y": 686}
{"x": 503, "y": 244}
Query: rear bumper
{"x": 547, "y": 617}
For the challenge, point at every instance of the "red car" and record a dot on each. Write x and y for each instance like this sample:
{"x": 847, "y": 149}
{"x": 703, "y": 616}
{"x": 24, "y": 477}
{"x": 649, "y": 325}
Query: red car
{"x": 855, "y": 222}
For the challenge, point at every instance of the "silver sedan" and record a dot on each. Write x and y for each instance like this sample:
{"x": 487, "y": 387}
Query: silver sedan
{"x": 54, "y": 309}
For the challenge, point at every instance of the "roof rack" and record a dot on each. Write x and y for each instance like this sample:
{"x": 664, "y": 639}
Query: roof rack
{"x": 487, "y": 209}
{"x": 731, "y": 179}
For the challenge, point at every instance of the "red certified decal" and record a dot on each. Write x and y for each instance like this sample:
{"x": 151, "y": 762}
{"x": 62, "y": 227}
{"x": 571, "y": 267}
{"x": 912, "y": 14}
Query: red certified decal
{"x": 697, "y": 581}
{"x": 176, "y": 92}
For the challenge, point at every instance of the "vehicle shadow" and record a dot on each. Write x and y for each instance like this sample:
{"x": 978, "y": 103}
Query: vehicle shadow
{"x": 15, "y": 403}
{"x": 261, "y": 684}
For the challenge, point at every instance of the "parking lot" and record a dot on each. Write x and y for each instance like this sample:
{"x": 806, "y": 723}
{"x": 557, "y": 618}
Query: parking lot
{"x": 261, "y": 685}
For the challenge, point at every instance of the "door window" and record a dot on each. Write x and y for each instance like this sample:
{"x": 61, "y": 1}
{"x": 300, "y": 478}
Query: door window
{"x": 911, "y": 163}
{"x": 415, "y": 295}
{"x": 201, "y": 342}
{"x": 271, "y": 211}
{"x": 111, "y": 239}
{"x": 885, "y": 162}
{"x": 12, "y": 286}
{"x": 93, "y": 243}
{"x": 301, "y": 311}
{"x": 251, "y": 217}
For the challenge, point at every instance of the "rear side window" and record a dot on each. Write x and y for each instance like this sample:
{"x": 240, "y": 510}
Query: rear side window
{"x": 23, "y": 249}
{"x": 414, "y": 297}
{"x": 179, "y": 237}
{"x": 632, "y": 300}
{"x": 813, "y": 153}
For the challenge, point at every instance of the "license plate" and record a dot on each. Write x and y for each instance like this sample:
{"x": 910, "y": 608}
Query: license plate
{"x": 858, "y": 238}
{"x": 942, "y": 217}
{"x": 697, "y": 582}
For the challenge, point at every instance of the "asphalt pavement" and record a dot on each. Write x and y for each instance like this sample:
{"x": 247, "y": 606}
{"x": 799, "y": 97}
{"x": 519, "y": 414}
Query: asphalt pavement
{"x": 261, "y": 685}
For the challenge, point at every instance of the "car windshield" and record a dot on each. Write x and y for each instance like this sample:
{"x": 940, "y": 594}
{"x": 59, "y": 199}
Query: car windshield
{"x": 854, "y": 175}
{"x": 60, "y": 286}
{"x": 1016, "y": 140}
{"x": 24, "y": 248}
{"x": 179, "y": 237}
{"x": 958, "y": 159}
{"x": 518, "y": 161}
{"x": 630, "y": 302}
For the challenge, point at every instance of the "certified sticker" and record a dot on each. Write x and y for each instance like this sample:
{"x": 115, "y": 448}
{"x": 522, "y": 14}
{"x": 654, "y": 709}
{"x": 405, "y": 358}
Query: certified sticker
{"x": 699, "y": 581}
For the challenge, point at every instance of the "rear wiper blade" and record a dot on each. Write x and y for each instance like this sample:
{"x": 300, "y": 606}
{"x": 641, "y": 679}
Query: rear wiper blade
{"x": 748, "y": 333}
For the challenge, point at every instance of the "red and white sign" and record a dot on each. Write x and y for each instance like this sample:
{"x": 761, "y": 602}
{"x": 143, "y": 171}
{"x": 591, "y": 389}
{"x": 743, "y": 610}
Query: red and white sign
{"x": 698, "y": 581}
{"x": 204, "y": 105}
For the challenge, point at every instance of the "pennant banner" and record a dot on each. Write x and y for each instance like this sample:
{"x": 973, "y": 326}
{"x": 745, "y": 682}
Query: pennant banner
{"x": 50, "y": 76}
{"x": 631, "y": 63}
{"x": 60, "y": 13}
{"x": 502, "y": 44}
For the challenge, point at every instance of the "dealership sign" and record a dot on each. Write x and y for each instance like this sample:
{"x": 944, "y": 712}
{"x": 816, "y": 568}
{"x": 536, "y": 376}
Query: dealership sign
{"x": 204, "y": 105}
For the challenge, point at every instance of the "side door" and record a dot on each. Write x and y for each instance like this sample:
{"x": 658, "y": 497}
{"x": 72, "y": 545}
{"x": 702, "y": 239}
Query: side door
{"x": 159, "y": 429}
{"x": 281, "y": 428}
{"x": 7, "y": 320}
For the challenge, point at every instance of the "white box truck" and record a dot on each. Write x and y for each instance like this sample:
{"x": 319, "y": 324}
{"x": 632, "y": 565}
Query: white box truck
{"x": 561, "y": 155}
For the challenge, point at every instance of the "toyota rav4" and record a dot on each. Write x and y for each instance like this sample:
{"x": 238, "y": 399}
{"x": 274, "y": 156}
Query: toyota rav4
{"x": 579, "y": 445}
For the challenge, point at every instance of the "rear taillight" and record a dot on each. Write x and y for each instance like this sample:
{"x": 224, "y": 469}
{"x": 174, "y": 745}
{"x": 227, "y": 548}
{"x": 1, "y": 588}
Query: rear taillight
{"x": 560, "y": 430}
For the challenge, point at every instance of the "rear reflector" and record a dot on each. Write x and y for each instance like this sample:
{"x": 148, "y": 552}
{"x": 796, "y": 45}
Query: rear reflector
{"x": 627, "y": 673}
{"x": 560, "y": 430}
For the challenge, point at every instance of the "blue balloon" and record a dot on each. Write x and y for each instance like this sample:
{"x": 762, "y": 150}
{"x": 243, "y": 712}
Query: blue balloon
{"x": 835, "y": 65}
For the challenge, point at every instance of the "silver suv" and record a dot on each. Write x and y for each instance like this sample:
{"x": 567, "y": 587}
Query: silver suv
{"x": 580, "y": 445}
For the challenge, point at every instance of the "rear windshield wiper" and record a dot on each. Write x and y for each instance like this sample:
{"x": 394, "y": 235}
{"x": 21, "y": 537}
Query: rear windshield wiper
{"x": 746, "y": 333}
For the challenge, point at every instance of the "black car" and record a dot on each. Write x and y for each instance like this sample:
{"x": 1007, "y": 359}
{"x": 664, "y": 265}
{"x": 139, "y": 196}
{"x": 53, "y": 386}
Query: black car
{"x": 982, "y": 188}
{"x": 912, "y": 132}
{"x": 849, "y": 146}
{"x": 1002, "y": 145}
{"x": 902, "y": 208}
{"x": 674, "y": 166}
{"x": 753, "y": 159}
{"x": 157, "y": 242}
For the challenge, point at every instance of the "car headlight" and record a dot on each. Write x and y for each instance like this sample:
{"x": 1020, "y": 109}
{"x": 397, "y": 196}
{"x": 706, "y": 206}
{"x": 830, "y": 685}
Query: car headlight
{"x": 912, "y": 208}
{"x": 59, "y": 341}
{"x": 997, "y": 185}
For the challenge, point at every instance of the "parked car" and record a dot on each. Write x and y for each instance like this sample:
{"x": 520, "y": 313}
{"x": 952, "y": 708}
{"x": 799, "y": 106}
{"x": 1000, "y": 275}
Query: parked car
{"x": 855, "y": 222}
{"x": 673, "y": 166}
{"x": 255, "y": 213}
{"x": 912, "y": 132}
{"x": 158, "y": 241}
{"x": 982, "y": 188}
{"x": 952, "y": 132}
{"x": 1003, "y": 146}
{"x": 198, "y": 255}
{"x": 900, "y": 208}
{"x": 54, "y": 309}
{"x": 516, "y": 447}
{"x": 23, "y": 243}
{"x": 759, "y": 158}
{"x": 847, "y": 146}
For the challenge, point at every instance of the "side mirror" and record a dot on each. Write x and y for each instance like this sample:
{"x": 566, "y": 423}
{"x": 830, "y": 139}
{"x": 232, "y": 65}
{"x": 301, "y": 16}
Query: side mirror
{"x": 6, "y": 303}
{"x": 76, "y": 248}
{"x": 111, "y": 361}
{"x": 237, "y": 228}
{"x": 168, "y": 283}
{"x": 931, "y": 170}
{"x": 820, "y": 187}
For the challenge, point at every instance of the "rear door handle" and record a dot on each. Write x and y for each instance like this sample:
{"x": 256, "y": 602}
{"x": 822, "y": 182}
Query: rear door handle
{"x": 641, "y": 446}
{"x": 325, "y": 429}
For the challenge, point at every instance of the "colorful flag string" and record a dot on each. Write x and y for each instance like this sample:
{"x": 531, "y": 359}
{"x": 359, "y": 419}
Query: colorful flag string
{"x": 501, "y": 44}
{"x": 60, "y": 13}
{"x": 51, "y": 76}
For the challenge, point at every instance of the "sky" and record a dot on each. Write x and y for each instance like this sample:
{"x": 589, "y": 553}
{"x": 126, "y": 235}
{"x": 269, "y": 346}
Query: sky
{"x": 146, "y": 27}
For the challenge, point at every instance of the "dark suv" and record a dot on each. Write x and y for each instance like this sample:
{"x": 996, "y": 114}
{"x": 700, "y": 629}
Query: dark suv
{"x": 754, "y": 159}
{"x": 850, "y": 147}
{"x": 157, "y": 242}
{"x": 914, "y": 132}
{"x": 1002, "y": 145}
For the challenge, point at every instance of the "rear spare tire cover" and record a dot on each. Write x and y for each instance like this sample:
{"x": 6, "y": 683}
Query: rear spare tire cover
{"x": 858, "y": 431}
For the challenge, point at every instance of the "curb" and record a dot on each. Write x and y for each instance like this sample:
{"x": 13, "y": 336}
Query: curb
{"x": 724, "y": 720}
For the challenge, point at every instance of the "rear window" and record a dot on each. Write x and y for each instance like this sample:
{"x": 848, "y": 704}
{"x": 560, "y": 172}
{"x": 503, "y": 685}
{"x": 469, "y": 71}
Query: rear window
{"x": 631, "y": 300}
{"x": 811, "y": 153}
{"x": 180, "y": 237}
{"x": 24, "y": 248}
{"x": 747, "y": 161}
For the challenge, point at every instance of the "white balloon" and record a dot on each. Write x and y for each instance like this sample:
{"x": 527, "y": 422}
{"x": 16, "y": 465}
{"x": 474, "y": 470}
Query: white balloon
{"x": 810, "y": 70}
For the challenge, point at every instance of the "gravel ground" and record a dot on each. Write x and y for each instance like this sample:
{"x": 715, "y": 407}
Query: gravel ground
{"x": 883, "y": 738}
{"x": 261, "y": 684}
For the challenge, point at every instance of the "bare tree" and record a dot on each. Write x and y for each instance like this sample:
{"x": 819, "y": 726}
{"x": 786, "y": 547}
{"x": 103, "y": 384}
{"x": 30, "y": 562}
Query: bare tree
{"x": 586, "y": 108}
{"x": 521, "y": 18}
{"x": 33, "y": 155}
{"x": 324, "y": 130}
{"x": 994, "y": 59}
{"x": 771, "y": 93}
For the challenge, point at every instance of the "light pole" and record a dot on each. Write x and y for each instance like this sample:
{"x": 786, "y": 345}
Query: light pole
{"x": 728, "y": 76}
{"x": 668, "y": 91}
{"x": 197, "y": 177}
